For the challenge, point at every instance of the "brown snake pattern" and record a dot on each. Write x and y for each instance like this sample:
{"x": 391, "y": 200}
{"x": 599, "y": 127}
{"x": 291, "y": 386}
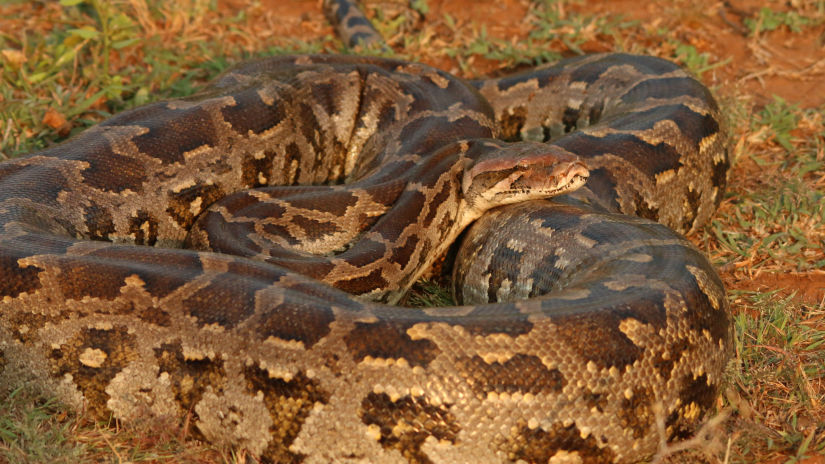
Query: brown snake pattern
{"x": 101, "y": 307}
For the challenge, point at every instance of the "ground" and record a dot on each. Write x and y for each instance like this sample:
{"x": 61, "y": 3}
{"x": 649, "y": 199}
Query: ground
{"x": 69, "y": 64}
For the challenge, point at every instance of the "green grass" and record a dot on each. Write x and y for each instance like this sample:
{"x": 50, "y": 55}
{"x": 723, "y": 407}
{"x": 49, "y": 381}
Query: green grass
{"x": 35, "y": 430}
{"x": 770, "y": 20}
{"x": 779, "y": 224}
{"x": 549, "y": 24}
{"x": 99, "y": 59}
{"x": 779, "y": 344}
{"x": 85, "y": 60}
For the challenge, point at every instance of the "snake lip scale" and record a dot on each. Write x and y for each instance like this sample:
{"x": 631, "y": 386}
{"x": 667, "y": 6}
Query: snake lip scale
{"x": 589, "y": 326}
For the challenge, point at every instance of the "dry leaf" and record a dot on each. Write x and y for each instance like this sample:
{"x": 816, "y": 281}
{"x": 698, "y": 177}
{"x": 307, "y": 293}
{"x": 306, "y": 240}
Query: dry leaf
{"x": 57, "y": 121}
{"x": 14, "y": 57}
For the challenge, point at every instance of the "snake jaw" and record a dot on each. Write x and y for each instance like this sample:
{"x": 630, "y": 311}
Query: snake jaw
{"x": 522, "y": 171}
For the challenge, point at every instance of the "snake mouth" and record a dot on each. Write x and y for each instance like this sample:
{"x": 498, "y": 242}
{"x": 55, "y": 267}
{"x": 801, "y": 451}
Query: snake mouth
{"x": 575, "y": 181}
{"x": 521, "y": 172}
{"x": 541, "y": 181}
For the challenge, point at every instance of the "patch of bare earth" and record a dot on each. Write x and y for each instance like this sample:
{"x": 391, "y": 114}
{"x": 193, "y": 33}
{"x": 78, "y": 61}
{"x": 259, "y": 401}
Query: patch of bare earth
{"x": 780, "y": 62}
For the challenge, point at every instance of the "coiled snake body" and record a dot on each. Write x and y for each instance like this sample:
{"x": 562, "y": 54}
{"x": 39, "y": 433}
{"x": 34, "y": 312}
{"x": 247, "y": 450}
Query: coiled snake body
{"x": 102, "y": 307}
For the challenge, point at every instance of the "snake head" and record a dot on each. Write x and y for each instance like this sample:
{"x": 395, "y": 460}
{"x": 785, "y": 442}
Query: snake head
{"x": 508, "y": 173}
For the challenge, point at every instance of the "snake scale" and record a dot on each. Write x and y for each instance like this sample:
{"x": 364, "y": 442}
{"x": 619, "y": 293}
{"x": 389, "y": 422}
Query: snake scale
{"x": 625, "y": 322}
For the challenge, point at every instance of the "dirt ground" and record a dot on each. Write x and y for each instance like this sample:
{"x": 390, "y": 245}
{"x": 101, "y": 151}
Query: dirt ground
{"x": 788, "y": 64}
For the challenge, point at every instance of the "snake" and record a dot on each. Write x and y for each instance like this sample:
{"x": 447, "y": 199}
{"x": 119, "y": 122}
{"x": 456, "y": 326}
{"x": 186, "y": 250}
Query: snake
{"x": 238, "y": 256}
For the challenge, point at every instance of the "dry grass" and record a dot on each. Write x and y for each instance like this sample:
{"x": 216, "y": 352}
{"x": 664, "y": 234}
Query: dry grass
{"x": 66, "y": 66}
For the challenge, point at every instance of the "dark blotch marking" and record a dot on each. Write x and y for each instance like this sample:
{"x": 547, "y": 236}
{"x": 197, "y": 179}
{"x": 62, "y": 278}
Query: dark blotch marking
{"x": 643, "y": 209}
{"x": 695, "y": 126}
{"x": 504, "y": 266}
{"x": 365, "y": 252}
{"x": 252, "y": 168}
{"x": 561, "y": 217}
{"x": 427, "y": 135}
{"x": 648, "y": 158}
{"x": 545, "y": 275}
{"x": 595, "y": 113}
{"x": 591, "y": 72}
{"x": 180, "y": 202}
{"x": 43, "y": 183}
{"x": 304, "y": 322}
{"x": 512, "y": 122}
{"x": 388, "y": 340}
{"x": 539, "y": 445}
{"x": 229, "y": 299}
{"x": 439, "y": 198}
{"x": 694, "y": 392}
{"x": 106, "y": 169}
{"x": 251, "y": 114}
{"x": 212, "y": 232}
{"x": 308, "y": 126}
{"x": 487, "y": 320}
{"x": 120, "y": 349}
{"x": 173, "y": 132}
{"x": 424, "y": 254}
{"x": 605, "y": 344}
{"x": 694, "y": 199}
{"x": 189, "y": 378}
{"x": 155, "y": 315}
{"x": 636, "y": 413}
{"x": 244, "y": 204}
{"x": 289, "y": 402}
{"x": 99, "y": 221}
{"x": 326, "y": 95}
{"x": 336, "y": 202}
{"x": 667, "y": 88}
{"x": 102, "y": 273}
{"x": 315, "y": 229}
{"x": 447, "y": 222}
{"x": 598, "y": 401}
{"x": 603, "y": 184}
{"x": 703, "y": 315}
{"x": 675, "y": 351}
{"x": 519, "y": 374}
{"x": 719, "y": 176}
{"x": 293, "y": 155}
{"x": 245, "y": 228}
{"x": 411, "y": 200}
{"x": 414, "y": 417}
{"x": 544, "y": 76}
{"x": 17, "y": 279}
{"x": 25, "y": 326}
{"x": 570, "y": 119}
{"x": 401, "y": 255}
{"x": 113, "y": 172}
{"x": 386, "y": 117}
{"x": 144, "y": 228}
